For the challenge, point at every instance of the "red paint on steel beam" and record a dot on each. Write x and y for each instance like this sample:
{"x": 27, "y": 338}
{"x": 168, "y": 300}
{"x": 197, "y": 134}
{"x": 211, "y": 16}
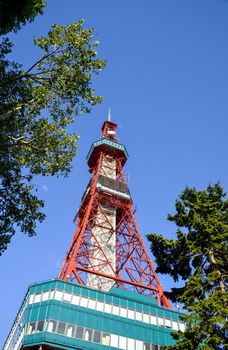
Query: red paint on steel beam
{"x": 87, "y": 253}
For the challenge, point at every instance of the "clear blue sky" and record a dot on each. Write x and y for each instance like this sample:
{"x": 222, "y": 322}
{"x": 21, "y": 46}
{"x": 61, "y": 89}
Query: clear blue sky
{"x": 166, "y": 82}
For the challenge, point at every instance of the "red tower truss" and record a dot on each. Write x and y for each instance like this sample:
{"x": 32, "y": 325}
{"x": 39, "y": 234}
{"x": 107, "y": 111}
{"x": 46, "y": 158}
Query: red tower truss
{"x": 107, "y": 249}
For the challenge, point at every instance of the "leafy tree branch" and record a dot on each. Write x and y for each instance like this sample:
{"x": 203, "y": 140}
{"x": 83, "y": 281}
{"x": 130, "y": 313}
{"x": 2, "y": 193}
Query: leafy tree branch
{"x": 16, "y": 13}
{"x": 37, "y": 109}
{"x": 199, "y": 258}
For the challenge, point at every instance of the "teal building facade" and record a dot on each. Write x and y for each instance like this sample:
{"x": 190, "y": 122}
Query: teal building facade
{"x": 61, "y": 315}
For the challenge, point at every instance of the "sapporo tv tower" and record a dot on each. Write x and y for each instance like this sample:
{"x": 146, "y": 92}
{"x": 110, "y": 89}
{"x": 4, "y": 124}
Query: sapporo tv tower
{"x": 107, "y": 249}
{"x": 107, "y": 295}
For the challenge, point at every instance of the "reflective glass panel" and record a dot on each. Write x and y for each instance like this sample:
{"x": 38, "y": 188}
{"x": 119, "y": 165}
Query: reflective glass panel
{"x": 83, "y": 302}
{"x": 114, "y": 340}
{"x": 175, "y": 325}
{"x": 123, "y": 312}
{"x": 138, "y": 316}
{"x": 138, "y": 345}
{"x": 130, "y": 343}
{"x": 51, "y": 326}
{"x": 61, "y": 327}
{"x": 106, "y": 339}
{"x": 40, "y": 326}
{"x": 67, "y": 297}
{"x": 100, "y": 306}
{"x": 167, "y": 323}
{"x": 58, "y": 295}
{"x": 79, "y": 332}
{"x": 37, "y": 298}
{"x": 131, "y": 314}
{"x": 31, "y": 328}
{"x": 108, "y": 308}
{"x": 153, "y": 320}
{"x": 146, "y": 346}
{"x": 97, "y": 336}
{"x": 182, "y": 327}
{"x": 75, "y": 299}
{"x": 88, "y": 334}
{"x": 122, "y": 343}
{"x": 160, "y": 321}
{"x": 92, "y": 304}
{"x": 115, "y": 310}
{"x": 45, "y": 296}
{"x": 70, "y": 330}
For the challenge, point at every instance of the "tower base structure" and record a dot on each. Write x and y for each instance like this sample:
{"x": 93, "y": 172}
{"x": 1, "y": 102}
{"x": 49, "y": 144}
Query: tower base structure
{"x": 61, "y": 315}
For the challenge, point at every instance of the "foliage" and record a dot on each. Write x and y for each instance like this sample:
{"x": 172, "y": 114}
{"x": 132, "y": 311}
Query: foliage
{"x": 199, "y": 257}
{"x": 37, "y": 107}
{"x": 15, "y": 13}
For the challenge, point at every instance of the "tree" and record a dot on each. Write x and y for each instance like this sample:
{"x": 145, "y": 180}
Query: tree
{"x": 199, "y": 257}
{"x": 37, "y": 108}
{"x": 15, "y": 13}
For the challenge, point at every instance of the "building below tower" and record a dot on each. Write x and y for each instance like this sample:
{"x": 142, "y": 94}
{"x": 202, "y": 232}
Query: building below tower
{"x": 61, "y": 315}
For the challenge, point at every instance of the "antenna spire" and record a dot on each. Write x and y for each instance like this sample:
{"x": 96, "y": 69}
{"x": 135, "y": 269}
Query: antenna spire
{"x": 109, "y": 114}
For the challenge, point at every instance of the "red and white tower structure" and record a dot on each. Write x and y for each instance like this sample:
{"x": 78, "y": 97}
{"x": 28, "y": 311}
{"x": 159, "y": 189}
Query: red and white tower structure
{"x": 107, "y": 249}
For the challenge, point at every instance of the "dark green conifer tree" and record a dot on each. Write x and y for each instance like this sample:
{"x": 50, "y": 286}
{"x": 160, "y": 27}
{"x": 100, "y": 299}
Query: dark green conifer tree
{"x": 199, "y": 257}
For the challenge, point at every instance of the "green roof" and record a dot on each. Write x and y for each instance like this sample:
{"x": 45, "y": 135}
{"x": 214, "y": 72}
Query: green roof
{"x": 105, "y": 141}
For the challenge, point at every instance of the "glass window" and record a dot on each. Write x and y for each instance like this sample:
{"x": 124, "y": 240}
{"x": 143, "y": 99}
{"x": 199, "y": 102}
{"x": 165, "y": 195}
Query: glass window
{"x": 40, "y": 326}
{"x": 61, "y": 327}
{"x": 160, "y": 321}
{"x": 115, "y": 310}
{"x": 88, "y": 334}
{"x": 83, "y": 302}
{"x": 154, "y": 347}
{"x": 70, "y": 330}
{"x": 31, "y": 328}
{"x": 108, "y": 308}
{"x": 106, "y": 339}
{"x": 131, "y": 314}
{"x": 122, "y": 343}
{"x": 37, "y": 298}
{"x": 58, "y": 295}
{"x": 175, "y": 325}
{"x": 162, "y": 348}
{"x": 139, "y": 345}
{"x": 97, "y": 337}
{"x": 138, "y": 316}
{"x": 123, "y": 312}
{"x": 52, "y": 326}
{"x": 92, "y": 304}
{"x": 51, "y": 296}
{"x": 167, "y": 323}
{"x": 67, "y": 297}
{"x": 182, "y": 327}
{"x": 153, "y": 320}
{"x": 146, "y": 346}
{"x": 130, "y": 344}
{"x": 114, "y": 340}
{"x": 79, "y": 332}
{"x": 146, "y": 317}
{"x": 31, "y": 297}
{"x": 75, "y": 299}
{"x": 45, "y": 296}
{"x": 100, "y": 306}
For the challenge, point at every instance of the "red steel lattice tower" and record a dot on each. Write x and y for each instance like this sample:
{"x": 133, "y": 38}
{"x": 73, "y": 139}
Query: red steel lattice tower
{"x": 107, "y": 249}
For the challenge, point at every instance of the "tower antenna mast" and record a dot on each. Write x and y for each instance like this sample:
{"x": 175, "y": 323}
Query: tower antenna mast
{"x": 109, "y": 114}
